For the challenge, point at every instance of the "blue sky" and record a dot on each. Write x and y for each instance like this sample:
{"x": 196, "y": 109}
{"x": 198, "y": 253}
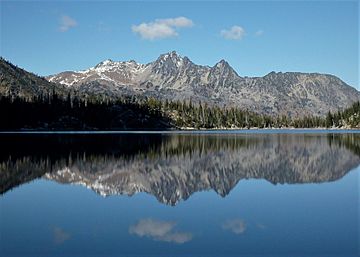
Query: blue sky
{"x": 254, "y": 37}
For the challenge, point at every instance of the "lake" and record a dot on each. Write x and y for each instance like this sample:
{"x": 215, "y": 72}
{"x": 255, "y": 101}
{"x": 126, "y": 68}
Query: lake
{"x": 229, "y": 193}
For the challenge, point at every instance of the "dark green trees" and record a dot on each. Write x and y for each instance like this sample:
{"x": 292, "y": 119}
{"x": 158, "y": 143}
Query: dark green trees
{"x": 73, "y": 112}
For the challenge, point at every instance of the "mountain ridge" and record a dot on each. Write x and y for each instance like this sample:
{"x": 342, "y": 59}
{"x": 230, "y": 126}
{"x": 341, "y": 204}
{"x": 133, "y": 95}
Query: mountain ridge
{"x": 171, "y": 77}
{"x": 109, "y": 60}
{"x": 174, "y": 77}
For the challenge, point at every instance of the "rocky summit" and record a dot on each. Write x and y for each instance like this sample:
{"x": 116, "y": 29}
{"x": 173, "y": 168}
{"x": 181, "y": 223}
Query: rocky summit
{"x": 174, "y": 77}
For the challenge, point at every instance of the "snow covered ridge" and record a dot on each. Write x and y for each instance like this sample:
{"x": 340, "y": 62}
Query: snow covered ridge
{"x": 174, "y": 77}
{"x": 102, "y": 71}
{"x": 109, "y": 65}
{"x": 120, "y": 71}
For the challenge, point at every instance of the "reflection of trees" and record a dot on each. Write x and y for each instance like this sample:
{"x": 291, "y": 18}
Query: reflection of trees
{"x": 173, "y": 166}
{"x": 198, "y": 145}
{"x": 350, "y": 141}
{"x": 26, "y": 157}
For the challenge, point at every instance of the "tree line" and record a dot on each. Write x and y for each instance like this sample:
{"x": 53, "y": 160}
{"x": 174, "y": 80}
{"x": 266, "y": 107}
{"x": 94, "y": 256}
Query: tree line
{"x": 77, "y": 112}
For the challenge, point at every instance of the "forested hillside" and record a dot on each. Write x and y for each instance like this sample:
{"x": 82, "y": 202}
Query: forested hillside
{"x": 76, "y": 113}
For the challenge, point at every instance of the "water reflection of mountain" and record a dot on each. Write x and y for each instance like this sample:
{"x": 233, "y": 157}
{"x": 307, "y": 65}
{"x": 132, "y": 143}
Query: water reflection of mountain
{"x": 173, "y": 167}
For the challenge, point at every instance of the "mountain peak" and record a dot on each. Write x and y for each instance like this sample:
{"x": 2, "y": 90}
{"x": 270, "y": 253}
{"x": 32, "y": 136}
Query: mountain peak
{"x": 222, "y": 63}
{"x": 224, "y": 68}
{"x": 104, "y": 63}
{"x": 169, "y": 61}
{"x": 173, "y": 55}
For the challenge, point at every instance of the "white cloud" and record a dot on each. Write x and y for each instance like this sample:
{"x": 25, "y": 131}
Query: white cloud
{"x": 236, "y": 226}
{"x": 259, "y": 32}
{"x": 161, "y": 28}
{"x": 159, "y": 231}
{"x": 234, "y": 33}
{"x": 60, "y": 236}
{"x": 66, "y": 22}
{"x": 176, "y": 22}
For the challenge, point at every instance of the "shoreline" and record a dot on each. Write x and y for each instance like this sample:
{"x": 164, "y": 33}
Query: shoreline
{"x": 195, "y": 131}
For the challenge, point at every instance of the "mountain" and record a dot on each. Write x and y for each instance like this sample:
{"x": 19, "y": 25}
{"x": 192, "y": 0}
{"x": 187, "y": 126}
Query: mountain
{"x": 30, "y": 102}
{"x": 17, "y": 82}
{"x": 174, "y": 77}
{"x": 173, "y": 167}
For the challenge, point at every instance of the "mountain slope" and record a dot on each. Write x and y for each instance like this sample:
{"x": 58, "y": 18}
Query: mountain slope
{"x": 17, "y": 82}
{"x": 30, "y": 102}
{"x": 174, "y": 77}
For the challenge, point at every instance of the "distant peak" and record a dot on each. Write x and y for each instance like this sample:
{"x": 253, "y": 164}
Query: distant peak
{"x": 224, "y": 68}
{"x": 173, "y": 55}
{"x": 222, "y": 63}
{"x": 105, "y": 62}
{"x": 171, "y": 60}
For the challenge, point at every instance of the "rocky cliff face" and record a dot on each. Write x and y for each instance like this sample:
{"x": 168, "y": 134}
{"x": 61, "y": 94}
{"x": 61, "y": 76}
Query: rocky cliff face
{"x": 174, "y": 77}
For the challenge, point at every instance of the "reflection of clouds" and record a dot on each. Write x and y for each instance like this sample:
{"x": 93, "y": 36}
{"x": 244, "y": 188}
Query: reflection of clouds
{"x": 260, "y": 226}
{"x": 236, "y": 226}
{"x": 177, "y": 237}
{"x": 152, "y": 228}
{"x": 159, "y": 230}
{"x": 60, "y": 236}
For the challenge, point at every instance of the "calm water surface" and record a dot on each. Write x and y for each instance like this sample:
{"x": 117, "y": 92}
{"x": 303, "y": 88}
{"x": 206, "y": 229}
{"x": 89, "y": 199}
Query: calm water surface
{"x": 211, "y": 194}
